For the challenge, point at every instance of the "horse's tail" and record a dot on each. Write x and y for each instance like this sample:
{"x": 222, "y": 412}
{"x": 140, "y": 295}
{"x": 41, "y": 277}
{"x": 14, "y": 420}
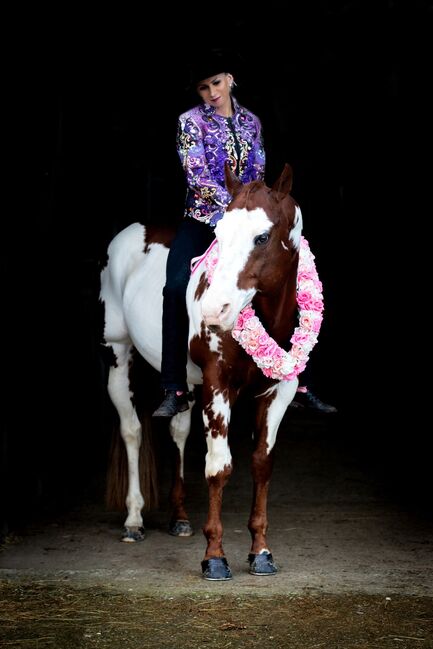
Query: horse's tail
{"x": 117, "y": 473}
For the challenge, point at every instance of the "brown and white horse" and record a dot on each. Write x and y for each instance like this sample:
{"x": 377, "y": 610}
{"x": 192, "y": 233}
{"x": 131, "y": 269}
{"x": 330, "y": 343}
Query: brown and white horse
{"x": 259, "y": 241}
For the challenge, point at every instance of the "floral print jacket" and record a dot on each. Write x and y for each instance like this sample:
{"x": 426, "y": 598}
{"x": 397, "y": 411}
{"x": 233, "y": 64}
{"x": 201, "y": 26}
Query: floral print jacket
{"x": 204, "y": 142}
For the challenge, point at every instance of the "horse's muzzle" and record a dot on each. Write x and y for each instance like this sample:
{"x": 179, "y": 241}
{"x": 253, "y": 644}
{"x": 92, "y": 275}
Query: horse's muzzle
{"x": 219, "y": 318}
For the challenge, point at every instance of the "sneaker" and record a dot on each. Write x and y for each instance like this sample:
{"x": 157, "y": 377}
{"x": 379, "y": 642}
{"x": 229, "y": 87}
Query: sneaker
{"x": 311, "y": 402}
{"x": 172, "y": 404}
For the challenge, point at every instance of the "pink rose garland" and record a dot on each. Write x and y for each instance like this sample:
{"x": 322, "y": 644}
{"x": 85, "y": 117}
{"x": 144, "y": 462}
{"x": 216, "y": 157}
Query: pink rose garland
{"x": 274, "y": 361}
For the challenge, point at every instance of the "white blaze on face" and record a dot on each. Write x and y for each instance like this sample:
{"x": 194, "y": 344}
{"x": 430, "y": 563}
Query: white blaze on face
{"x": 296, "y": 231}
{"x": 235, "y": 233}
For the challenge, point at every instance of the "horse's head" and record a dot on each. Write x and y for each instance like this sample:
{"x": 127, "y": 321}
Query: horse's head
{"x": 258, "y": 240}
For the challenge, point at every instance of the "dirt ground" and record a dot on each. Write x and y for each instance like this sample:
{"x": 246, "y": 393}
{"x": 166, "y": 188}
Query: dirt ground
{"x": 53, "y": 615}
{"x": 355, "y": 563}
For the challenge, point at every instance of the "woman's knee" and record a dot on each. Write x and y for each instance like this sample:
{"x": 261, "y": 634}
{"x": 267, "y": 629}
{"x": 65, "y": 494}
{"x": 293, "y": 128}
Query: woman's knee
{"x": 175, "y": 287}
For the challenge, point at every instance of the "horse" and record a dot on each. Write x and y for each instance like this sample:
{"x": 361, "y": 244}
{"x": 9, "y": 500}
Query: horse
{"x": 259, "y": 243}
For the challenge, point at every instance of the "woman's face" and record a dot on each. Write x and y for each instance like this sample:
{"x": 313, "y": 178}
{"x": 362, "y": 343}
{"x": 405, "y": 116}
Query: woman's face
{"x": 215, "y": 91}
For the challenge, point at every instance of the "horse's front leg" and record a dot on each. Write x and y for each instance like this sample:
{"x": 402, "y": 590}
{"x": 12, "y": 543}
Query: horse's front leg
{"x": 180, "y": 427}
{"x": 270, "y": 410}
{"x": 218, "y": 467}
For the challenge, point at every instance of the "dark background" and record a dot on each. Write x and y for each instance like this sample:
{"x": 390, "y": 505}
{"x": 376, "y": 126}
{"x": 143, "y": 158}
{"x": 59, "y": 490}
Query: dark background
{"x": 342, "y": 90}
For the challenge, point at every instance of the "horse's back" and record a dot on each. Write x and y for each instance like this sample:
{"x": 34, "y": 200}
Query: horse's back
{"x": 131, "y": 290}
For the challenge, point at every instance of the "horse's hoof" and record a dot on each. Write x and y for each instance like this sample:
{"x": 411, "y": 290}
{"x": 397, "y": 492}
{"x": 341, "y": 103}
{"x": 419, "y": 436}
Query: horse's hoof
{"x": 262, "y": 564}
{"x": 133, "y": 534}
{"x": 216, "y": 569}
{"x": 180, "y": 528}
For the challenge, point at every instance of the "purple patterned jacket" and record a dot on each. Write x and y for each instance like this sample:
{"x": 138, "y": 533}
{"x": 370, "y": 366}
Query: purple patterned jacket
{"x": 204, "y": 142}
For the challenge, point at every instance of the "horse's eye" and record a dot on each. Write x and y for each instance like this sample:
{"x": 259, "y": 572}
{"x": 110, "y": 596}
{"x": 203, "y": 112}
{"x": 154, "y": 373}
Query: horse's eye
{"x": 261, "y": 239}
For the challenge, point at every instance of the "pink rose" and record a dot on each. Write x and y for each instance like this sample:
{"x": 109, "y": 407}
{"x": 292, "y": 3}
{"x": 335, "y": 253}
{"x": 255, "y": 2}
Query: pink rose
{"x": 264, "y": 339}
{"x": 316, "y": 305}
{"x": 279, "y": 364}
{"x": 236, "y": 332}
{"x": 316, "y": 324}
{"x": 306, "y": 321}
{"x": 299, "y": 336}
{"x": 240, "y": 321}
{"x": 253, "y": 344}
{"x": 272, "y": 348}
{"x": 298, "y": 353}
{"x": 253, "y": 323}
{"x": 307, "y": 273}
{"x": 303, "y": 299}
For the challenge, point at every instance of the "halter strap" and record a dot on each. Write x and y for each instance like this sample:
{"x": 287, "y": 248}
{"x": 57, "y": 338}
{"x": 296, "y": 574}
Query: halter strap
{"x": 196, "y": 261}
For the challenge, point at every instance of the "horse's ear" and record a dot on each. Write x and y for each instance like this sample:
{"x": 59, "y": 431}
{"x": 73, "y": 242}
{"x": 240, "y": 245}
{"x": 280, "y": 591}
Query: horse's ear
{"x": 233, "y": 184}
{"x": 284, "y": 183}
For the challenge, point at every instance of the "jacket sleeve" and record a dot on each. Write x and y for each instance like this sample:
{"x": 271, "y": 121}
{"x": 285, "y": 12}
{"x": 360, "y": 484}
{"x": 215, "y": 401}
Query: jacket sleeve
{"x": 191, "y": 151}
{"x": 260, "y": 156}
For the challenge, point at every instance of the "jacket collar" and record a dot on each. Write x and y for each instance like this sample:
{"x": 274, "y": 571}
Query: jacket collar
{"x": 210, "y": 111}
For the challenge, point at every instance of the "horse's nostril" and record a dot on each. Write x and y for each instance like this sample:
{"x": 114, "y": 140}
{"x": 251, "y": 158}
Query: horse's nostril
{"x": 224, "y": 309}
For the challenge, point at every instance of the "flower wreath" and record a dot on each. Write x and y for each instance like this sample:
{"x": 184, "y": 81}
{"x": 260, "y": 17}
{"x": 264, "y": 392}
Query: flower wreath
{"x": 275, "y": 362}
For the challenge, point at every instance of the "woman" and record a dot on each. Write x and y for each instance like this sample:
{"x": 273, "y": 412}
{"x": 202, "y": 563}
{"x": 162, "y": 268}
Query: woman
{"x": 217, "y": 130}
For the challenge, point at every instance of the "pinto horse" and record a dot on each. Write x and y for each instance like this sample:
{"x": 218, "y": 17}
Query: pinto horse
{"x": 259, "y": 241}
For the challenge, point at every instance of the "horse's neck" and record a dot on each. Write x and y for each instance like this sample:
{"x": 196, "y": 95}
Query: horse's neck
{"x": 278, "y": 313}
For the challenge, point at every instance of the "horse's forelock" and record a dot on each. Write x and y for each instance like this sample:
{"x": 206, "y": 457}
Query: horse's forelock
{"x": 279, "y": 207}
{"x": 252, "y": 195}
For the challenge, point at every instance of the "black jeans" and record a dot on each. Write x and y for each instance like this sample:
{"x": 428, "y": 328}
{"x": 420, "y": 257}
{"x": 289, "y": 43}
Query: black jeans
{"x": 192, "y": 239}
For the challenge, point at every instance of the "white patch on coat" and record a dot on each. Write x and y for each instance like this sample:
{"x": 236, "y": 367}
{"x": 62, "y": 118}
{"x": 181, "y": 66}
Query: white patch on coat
{"x": 284, "y": 245}
{"x": 296, "y": 231}
{"x": 286, "y": 390}
{"x": 133, "y": 305}
{"x": 215, "y": 343}
{"x": 180, "y": 426}
{"x": 218, "y": 453}
{"x": 130, "y": 430}
{"x": 218, "y": 456}
{"x": 142, "y": 300}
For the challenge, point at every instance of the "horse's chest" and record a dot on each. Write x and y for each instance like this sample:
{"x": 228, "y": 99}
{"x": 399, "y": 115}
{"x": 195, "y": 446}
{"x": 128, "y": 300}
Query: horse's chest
{"x": 222, "y": 360}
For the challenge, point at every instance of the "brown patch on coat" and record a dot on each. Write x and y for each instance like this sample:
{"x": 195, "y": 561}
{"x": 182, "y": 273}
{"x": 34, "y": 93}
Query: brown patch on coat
{"x": 106, "y": 350}
{"x": 241, "y": 197}
{"x": 217, "y": 424}
{"x": 202, "y": 287}
{"x": 220, "y": 479}
{"x": 158, "y": 234}
{"x": 261, "y": 424}
{"x": 108, "y": 355}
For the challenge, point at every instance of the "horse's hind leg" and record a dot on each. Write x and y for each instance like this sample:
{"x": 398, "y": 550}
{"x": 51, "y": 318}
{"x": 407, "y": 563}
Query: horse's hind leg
{"x": 130, "y": 430}
{"x": 180, "y": 427}
{"x": 270, "y": 410}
